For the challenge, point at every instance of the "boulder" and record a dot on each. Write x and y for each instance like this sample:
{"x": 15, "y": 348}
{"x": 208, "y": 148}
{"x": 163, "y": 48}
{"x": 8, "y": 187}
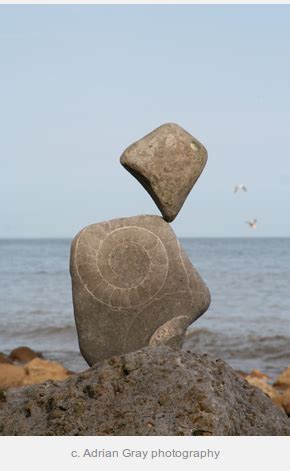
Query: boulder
{"x": 11, "y": 375}
{"x": 241, "y": 373}
{"x": 34, "y": 372}
{"x": 167, "y": 162}
{"x": 5, "y": 358}
{"x": 285, "y": 401}
{"x": 283, "y": 380}
{"x": 258, "y": 374}
{"x": 154, "y": 391}
{"x": 23, "y": 354}
{"x": 260, "y": 383}
{"x": 133, "y": 286}
{"x": 39, "y": 371}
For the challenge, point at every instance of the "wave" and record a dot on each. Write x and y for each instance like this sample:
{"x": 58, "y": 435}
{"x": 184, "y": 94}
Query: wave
{"x": 238, "y": 346}
{"x": 52, "y": 330}
{"x": 31, "y": 272}
{"x": 195, "y": 332}
{"x": 43, "y": 331}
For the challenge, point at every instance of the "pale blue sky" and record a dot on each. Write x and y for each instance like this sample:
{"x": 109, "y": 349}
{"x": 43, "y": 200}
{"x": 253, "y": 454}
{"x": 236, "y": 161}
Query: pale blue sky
{"x": 78, "y": 84}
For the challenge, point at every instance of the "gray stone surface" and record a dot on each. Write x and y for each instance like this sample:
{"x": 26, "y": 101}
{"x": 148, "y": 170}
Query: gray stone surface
{"x": 133, "y": 286}
{"x": 155, "y": 391}
{"x": 167, "y": 162}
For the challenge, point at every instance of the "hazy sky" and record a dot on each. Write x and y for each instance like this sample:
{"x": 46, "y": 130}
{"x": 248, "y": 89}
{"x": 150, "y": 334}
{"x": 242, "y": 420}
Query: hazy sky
{"x": 78, "y": 84}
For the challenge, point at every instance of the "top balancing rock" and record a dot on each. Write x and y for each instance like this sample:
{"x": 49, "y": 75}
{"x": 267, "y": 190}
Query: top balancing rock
{"x": 167, "y": 162}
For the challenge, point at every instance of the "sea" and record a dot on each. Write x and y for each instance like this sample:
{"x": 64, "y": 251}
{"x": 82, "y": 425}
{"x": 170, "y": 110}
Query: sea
{"x": 247, "y": 324}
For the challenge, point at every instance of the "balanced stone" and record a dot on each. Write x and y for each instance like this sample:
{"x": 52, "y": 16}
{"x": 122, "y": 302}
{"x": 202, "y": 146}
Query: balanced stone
{"x": 133, "y": 286}
{"x": 167, "y": 162}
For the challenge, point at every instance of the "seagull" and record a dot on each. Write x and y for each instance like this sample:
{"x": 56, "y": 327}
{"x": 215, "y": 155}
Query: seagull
{"x": 252, "y": 224}
{"x": 240, "y": 187}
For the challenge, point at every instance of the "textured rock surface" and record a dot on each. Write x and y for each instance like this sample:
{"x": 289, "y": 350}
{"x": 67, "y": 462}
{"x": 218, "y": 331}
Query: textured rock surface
{"x": 155, "y": 391}
{"x": 167, "y": 162}
{"x": 133, "y": 286}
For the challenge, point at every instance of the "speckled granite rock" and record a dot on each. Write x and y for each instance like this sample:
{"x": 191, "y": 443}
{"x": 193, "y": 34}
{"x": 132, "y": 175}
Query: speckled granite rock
{"x": 167, "y": 162}
{"x": 154, "y": 391}
{"x": 133, "y": 286}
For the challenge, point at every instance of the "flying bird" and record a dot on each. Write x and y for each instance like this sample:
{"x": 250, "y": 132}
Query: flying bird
{"x": 240, "y": 187}
{"x": 252, "y": 224}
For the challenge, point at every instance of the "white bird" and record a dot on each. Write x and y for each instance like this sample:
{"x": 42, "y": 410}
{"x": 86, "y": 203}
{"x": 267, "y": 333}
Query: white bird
{"x": 240, "y": 187}
{"x": 252, "y": 224}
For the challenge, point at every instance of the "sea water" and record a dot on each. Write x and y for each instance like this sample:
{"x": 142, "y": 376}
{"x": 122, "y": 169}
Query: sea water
{"x": 247, "y": 324}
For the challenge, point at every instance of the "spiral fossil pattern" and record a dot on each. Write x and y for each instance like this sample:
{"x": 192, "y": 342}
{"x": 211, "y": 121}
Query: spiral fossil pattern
{"x": 133, "y": 286}
{"x": 122, "y": 267}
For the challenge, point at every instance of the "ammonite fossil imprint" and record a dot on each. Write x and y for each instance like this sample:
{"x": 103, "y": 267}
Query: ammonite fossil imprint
{"x": 122, "y": 268}
{"x": 133, "y": 286}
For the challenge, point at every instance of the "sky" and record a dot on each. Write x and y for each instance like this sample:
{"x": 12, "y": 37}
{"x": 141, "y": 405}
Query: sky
{"x": 78, "y": 84}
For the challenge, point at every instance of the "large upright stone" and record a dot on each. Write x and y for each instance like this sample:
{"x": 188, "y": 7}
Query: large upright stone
{"x": 133, "y": 286}
{"x": 167, "y": 162}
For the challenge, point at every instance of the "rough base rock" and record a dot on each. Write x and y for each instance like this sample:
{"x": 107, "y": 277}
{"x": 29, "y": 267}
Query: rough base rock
{"x": 154, "y": 391}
